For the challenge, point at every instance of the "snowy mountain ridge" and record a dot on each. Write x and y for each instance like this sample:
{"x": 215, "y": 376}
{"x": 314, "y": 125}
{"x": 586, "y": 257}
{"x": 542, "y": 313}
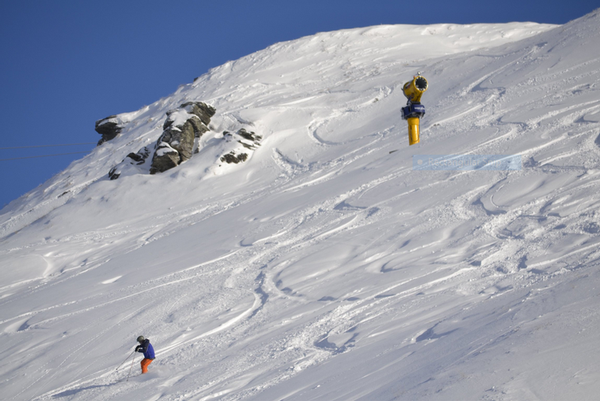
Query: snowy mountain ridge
{"x": 325, "y": 267}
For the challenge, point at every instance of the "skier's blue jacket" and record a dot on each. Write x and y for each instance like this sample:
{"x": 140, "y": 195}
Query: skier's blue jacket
{"x": 146, "y": 348}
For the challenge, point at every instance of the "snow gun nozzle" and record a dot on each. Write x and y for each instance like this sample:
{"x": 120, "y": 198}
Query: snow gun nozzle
{"x": 414, "y": 89}
{"x": 421, "y": 84}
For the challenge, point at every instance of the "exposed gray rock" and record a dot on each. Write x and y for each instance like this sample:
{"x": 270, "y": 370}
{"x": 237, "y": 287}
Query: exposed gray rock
{"x": 109, "y": 128}
{"x": 179, "y": 139}
{"x": 139, "y": 157}
{"x": 248, "y": 140}
{"x": 181, "y": 128}
{"x": 114, "y": 173}
{"x": 232, "y": 157}
{"x": 165, "y": 158}
{"x": 132, "y": 159}
{"x": 204, "y": 111}
{"x": 251, "y": 139}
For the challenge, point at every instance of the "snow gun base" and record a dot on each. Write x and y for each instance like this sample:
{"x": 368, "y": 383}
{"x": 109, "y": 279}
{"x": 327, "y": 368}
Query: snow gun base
{"x": 413, "y": 130}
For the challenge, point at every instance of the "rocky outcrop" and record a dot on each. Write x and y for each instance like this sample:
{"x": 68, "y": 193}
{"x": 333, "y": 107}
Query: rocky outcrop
{"x": 109, "y": 128}
{"x": 249, "y": 140}
{"x": 234, "y": 158}
{"x": 202, "y": 110}
{"x": 165, "y": 158}
{"x": 183, "y": 136}
{"x": 182, "y": 127}
{"x": 132, "y": 159}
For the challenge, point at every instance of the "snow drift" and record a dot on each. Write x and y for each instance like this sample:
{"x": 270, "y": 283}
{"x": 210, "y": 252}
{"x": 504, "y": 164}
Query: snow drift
{"x": 326, "y": 267}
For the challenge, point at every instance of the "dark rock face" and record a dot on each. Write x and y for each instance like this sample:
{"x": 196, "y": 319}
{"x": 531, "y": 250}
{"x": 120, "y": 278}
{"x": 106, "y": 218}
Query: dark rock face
{"x": 182, "y": 127}
{"x": 248, "y": 140}
{"x": 132, "y": 159}
{"x": 200, "y": 109}
{"x": 180, "y": 138}
{"x": 113, "y": 174}
{"x": 109, "y": 128}
{"x": 232, "y": 157}
{"x": 165, "y": 158}
{"x": 139, "y": 157}
{"x": 251, "y": 139}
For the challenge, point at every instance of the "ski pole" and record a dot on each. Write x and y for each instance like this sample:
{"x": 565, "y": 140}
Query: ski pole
{"x": 125, "y": 360}
{"x": 130, "y": 369}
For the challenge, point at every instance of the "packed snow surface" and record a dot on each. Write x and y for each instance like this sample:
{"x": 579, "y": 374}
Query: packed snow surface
{"x": 326, "y": 267}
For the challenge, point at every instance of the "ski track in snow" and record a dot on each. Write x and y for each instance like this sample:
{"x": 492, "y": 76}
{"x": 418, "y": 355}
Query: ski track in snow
{"x": 326, "y": 268}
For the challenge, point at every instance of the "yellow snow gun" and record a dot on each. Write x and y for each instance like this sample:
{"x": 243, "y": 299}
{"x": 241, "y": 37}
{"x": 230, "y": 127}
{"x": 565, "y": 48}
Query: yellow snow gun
{"x": 414, "y": 110}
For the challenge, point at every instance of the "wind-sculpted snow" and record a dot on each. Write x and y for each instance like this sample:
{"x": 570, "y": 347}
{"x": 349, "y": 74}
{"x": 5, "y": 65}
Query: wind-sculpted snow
{"x": 326, "y": 267}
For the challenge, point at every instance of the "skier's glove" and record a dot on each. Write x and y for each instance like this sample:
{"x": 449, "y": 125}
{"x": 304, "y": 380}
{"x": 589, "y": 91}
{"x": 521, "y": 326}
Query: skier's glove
{"x": 138, "y": 348}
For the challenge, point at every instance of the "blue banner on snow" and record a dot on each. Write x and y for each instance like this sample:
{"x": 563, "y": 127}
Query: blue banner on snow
{"x": 467, "y": 162}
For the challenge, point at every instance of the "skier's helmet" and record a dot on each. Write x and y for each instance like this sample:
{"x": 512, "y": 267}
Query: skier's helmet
{"x": 140, "y": 339}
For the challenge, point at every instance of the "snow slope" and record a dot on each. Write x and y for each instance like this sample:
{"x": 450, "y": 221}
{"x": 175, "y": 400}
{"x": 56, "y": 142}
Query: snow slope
{"x": 326, "y": 267}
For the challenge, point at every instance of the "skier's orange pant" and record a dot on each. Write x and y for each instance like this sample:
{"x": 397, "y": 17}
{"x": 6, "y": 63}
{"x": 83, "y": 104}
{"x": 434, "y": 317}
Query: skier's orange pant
{"x": 145, "y": 363}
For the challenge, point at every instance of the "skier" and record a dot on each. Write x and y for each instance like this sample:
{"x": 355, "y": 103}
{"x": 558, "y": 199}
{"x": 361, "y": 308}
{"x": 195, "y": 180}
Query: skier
{"x": 146, "y": 348}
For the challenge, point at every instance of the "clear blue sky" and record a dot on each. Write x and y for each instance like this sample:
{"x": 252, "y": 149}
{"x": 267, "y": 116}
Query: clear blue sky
{"x": 65, "y": 64}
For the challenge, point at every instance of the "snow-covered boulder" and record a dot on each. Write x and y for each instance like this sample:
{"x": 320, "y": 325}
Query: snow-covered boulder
{"x": 248, "y": 140}
{"x": 182, "y": 127}
{"x": 131, "y": 162}
{"x": 109, "y": 128}
{"x": 200, "y": 109}
{"x": 165, "y": 158}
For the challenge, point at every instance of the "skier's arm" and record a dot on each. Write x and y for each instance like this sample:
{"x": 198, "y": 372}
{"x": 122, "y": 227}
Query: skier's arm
{"x": 142, "y": 347}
